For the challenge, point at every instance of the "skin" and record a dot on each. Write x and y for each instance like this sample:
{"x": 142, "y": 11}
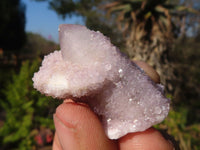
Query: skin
{"x": 78, "y": 128}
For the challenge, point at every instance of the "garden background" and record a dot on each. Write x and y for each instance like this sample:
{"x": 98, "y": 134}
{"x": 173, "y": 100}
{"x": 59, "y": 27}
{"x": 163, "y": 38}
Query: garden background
{"x": 163, "y": 33}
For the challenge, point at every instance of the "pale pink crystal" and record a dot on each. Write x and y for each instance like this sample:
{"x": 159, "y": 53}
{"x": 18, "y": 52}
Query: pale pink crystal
{"x": 92, "y": 70}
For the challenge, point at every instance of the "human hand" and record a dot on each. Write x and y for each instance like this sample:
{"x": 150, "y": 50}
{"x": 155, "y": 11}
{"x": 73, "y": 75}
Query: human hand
{"x": 78, "y": 128}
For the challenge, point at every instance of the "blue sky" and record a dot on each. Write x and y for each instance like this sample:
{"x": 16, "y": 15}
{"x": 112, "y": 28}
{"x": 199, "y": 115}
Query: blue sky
{"x": 40, "y": 19}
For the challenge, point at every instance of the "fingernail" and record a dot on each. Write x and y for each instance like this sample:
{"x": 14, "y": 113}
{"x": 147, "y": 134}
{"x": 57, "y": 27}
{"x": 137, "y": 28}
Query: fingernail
{"x": 66, "y": 134}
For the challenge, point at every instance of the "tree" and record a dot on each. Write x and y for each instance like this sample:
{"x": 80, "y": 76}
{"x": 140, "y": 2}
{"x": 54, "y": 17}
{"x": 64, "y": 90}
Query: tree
{"x": 12, "y": 26}
{"x": 150, "y": 27}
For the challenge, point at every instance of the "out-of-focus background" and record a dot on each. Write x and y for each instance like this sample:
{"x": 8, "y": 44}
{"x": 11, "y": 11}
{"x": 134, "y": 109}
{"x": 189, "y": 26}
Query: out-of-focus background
{"x": 163, "y": 33}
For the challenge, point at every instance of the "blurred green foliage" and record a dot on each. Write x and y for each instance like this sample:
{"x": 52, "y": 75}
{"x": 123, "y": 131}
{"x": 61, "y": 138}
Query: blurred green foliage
{"x": 26, "y": 109}
{"x": 176, "y": 125}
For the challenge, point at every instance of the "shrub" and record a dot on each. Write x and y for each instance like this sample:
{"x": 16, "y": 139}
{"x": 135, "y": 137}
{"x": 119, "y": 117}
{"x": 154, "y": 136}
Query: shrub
{"x": 187, "y": 135}
{"x": 26, "y": 109}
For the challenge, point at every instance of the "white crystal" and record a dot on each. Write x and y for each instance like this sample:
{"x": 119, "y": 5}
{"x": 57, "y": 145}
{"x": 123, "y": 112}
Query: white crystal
{"x": 109, "y": 120}
{"x": 130, "y": 99}
{"x": 120, "y": 70}
{"x": 88, "y": 65}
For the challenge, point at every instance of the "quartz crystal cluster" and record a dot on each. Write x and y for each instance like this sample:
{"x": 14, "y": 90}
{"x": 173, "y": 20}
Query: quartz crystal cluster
{"x": 92, "y": 70}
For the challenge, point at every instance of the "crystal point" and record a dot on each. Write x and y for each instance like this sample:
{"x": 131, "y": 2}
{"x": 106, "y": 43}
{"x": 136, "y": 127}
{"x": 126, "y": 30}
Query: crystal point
{"x": 88, "y": 65}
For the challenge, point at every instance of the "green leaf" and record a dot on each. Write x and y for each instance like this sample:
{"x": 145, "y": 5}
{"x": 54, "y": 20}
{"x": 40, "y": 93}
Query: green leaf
{"x": 27, "y": 105}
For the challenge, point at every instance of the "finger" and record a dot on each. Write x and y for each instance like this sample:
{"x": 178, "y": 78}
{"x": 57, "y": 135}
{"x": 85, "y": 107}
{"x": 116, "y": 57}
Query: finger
{"x": 150, "y": 139}
{"x": 56, "y": 143}
{"x": 78, "y": 128}
{"x": 149, "y": 71}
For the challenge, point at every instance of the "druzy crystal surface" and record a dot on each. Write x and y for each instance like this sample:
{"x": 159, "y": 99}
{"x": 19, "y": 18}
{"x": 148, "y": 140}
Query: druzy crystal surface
{"x": 92, "y": 70}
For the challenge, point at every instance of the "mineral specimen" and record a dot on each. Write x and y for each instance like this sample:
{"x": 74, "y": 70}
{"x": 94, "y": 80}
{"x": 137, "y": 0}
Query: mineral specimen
{"x": 90, "y": 69}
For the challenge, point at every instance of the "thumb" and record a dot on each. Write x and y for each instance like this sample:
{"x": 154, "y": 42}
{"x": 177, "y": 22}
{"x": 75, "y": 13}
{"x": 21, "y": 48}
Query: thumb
{"x": 77, "y": 127}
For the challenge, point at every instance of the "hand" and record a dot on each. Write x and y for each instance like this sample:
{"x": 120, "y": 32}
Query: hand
{"x": 78, "y": 128}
